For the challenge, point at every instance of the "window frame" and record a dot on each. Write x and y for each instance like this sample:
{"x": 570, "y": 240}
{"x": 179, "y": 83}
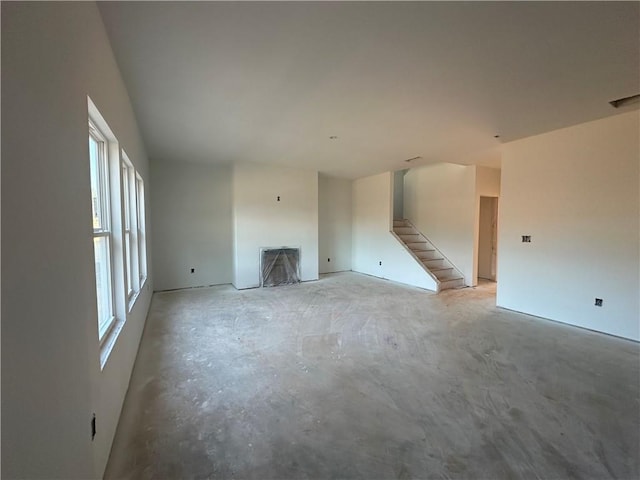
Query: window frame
{"x": 142, "y": 233}
{"x": 131, "y": 228}
{"x": 105, "y": 231}
{"x": 128, "y": 226}
{"x": 118, "y": 205}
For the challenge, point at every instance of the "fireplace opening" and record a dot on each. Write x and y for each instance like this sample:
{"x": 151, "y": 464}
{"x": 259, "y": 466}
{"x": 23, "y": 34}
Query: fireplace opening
{"x": 280, "y": 266}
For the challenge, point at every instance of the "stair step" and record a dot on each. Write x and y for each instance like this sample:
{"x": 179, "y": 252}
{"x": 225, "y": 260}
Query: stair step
{"x": 443, "y": 273}
{"x": 450, "y": 283}
{"x": 418, "y": 246}
{"x": 451, "y": 276}
{"x": 424, "y": 255}
{"x": 410, "y": 237}
{"x": 432, "y": 263}
{"x": 422, "y": 250}
{"x": 404, "y": 230}
{"x": 400, "y": 223}
{"x": 440, "y": 269}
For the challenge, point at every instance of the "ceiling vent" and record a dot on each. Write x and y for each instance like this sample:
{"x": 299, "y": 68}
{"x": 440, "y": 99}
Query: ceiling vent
{"x": 625, "y": 101}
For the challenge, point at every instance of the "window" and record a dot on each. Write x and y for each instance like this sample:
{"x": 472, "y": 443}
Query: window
{"x": 142, "y": 245}
{"x": 129, "y": 225}
{"x": 102, "y": 233}
{"x": 117, "y": 201}
{"x": 133, "y": 229}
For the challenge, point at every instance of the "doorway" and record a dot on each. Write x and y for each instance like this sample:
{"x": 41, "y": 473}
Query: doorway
{"x": 488, "y": 238}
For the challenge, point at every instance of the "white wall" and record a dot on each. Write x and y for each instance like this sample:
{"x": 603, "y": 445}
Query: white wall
{"x": 575, "y": 191}
{"x": 53, "y": 56}
{"x": 259, "y": 220}
{"x": 192, "y": 228}
{"x": 441, "y": 201}
{"x": 373, "y": 242}
{"x": 487, "y": 182}
{"x": 398, "y": 194}
{"x": 334, "y": 224}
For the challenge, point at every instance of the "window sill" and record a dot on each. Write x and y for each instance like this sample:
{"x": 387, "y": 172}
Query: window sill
{"x": 132, "y": 301}
{"x": 109, "y": 342}
{"x": 110, "y": 338}
{"x": 134, "y": 296}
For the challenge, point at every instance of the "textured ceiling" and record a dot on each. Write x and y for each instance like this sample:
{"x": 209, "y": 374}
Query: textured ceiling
{"x": 271, "y": 82}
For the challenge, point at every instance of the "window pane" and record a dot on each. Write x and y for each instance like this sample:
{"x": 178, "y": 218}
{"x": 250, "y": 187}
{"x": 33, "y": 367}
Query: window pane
{"x": 127, "y": 246}
{"x": 96, "y": 198}
{"x": 125, "y": 186}
{"x": 103, "y": 281}
{"x": 142, "y": 246}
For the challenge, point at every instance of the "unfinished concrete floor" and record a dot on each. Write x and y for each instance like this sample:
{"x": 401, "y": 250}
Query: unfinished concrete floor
{"x": 356, "y": 377}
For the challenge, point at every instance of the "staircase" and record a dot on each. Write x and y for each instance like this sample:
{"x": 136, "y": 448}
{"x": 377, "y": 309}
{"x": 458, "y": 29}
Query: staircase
{"x": 424, "y": 252}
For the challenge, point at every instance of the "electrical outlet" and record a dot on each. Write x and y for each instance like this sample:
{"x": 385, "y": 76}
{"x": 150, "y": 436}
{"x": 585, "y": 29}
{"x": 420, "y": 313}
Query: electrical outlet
{"x": 598, "y": 302}
{"x": 526, "y": 238}
{"x": 193, "y": 270}
{"x": 93, "y": 427}
{"x": 380, "y": 263}
{"x": 328, "y": 259}
{"x": 278, "y": 198}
